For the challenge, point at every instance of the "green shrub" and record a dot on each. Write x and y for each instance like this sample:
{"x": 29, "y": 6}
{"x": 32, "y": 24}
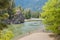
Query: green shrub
{"x": 7, "y": 35}
{"x": 2, "y": 26}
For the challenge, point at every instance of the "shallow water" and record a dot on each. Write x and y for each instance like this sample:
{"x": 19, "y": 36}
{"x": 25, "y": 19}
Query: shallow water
{"x": 31, "y": 26}
{"x": 26, "y": 27}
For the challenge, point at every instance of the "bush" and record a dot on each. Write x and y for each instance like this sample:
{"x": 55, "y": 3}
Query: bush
{"x": 2, "y": 26}
{"x": 51, "y": 14}
{"x": 7, "y": 35}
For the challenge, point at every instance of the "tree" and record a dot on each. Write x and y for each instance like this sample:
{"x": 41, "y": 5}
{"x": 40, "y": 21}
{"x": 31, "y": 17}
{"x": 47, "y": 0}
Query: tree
{"x": 10, "y": 9}
{"x": 51, "y": 14}
{"x": 35, "y": 14}
{"x": 4, "y": 4}
{"x": 27, "y": 13}
{"x": 21, "y": 9}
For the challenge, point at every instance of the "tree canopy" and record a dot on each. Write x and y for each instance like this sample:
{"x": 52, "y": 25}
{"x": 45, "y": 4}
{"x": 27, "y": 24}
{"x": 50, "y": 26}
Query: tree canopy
{"x": 51, "y": 14}
{"x": 4, "y": 4}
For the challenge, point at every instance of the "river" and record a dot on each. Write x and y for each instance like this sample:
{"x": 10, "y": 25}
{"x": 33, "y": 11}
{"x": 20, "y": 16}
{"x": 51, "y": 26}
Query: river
{"x": 26, "y": 27}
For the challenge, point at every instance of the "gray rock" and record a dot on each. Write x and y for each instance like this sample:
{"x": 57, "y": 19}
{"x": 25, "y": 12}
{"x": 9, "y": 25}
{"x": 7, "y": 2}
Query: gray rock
{"x": 17, "y": 19}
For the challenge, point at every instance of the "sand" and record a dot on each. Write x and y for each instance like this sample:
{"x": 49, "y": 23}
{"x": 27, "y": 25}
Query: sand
{"x": 37, "y": 36}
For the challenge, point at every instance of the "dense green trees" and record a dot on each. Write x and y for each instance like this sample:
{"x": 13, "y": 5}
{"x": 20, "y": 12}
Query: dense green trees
{"x": 51, "y": 14}
{"x": 35, "y": 14}
{"x": 6, "y": 10}
{"x": 10, "y": 10}
{"x": 21, "y": 9}
{"x": 3, "y": 17}
{"x": 27, "y": 13}
{"x": 4, "y": 5}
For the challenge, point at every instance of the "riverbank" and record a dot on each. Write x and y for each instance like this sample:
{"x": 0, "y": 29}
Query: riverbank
{"x": 39, "y": 32}
{"x": 37, "y": 36}
{"x": 34, "y": 19}
{"x": 26, "y": 28}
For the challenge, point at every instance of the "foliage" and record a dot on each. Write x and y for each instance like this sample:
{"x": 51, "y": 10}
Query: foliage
{"x": 27, "y": 13}
{"x": 21, "y": 9}
{"x": 51, "y": 14}
{"x": 11, "y": 10}
{"x": 2, "y": 26}
{"x": 3, "y": 17}
{"x": 4, "y": 4}
{"x": 4, "y": 14}
{"x": 35, "y": 14}
{"x": 7, "y": 35}
{"x": 11, "y": 13}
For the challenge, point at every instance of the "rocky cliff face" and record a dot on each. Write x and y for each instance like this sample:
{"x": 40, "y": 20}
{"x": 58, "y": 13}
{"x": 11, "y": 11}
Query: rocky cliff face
{"x": 17, "y": 19}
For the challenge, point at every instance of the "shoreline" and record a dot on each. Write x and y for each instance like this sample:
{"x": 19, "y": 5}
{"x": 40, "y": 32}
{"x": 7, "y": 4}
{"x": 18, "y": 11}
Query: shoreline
{"x": 29, "y": 33}
{"x": 34, "y": 35}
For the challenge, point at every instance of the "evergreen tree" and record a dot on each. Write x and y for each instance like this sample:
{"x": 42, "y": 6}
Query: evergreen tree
{"x": 27, "y": 14}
